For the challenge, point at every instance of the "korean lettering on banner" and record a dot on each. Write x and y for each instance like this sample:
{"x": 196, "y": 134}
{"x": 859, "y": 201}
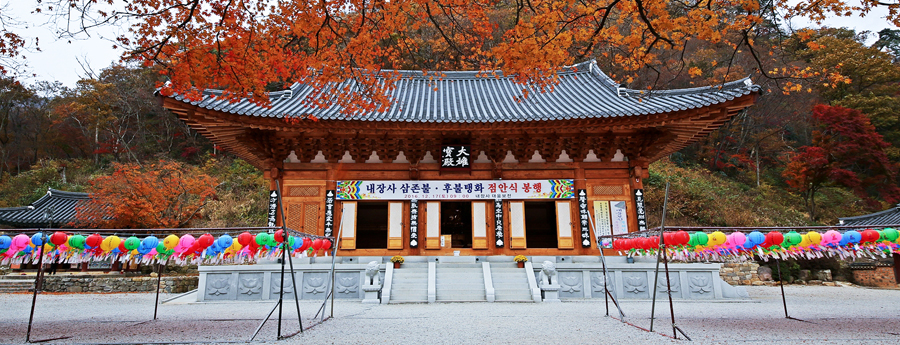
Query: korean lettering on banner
{"x": 273, "y": 207}
{"x": 583, "y": 218}
{"x": 498, "y": 222}
{"x": 455, "y": 189}
{"x": 455, "y": 157}
{"x": 329, "y": 213}
{"x": 413, "y": 223}
{"x": 639, "y": 206}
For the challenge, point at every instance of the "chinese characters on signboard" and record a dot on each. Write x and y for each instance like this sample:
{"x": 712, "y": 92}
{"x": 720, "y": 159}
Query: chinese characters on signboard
{"x": 639, "y": 206}
{"x": 329, "y": 213}
{"x": 273, "y": 207}
{"x": 498, "y": 221}
{"x": 583, "y": 218}
{"x": 413, "y": 223}
{"x": 465, "y": 189}
{"x": 455, "y": 157}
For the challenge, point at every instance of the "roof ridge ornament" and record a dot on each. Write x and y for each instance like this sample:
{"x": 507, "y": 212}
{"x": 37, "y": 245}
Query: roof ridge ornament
{"x": 621, "y": 90}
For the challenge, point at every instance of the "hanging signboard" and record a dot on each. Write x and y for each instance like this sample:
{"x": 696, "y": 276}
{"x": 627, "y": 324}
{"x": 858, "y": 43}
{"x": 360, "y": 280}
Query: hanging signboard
{"x": 602, "y": 227}
{"x": 619, "y": 215}
{"x": 498, "y": 221}
{"x": 413, "y": 223}
{"x": 329, "y": 213}
{"x": 464, "y": 189}
{"x": 583, "y": 218}
{"x": 639, "y": 207}
{"x": 456, "y": 157}
{"x": 273, "y": 207}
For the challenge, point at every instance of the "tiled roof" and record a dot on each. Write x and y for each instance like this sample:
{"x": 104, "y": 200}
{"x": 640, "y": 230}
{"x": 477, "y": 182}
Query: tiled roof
{"x": 887, "y": 217}
{"x": 583, "y": 92}
{"x": 63, "y": 203}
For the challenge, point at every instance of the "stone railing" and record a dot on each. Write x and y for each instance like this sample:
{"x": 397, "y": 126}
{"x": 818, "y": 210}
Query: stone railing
{"x": 94, "y": 283}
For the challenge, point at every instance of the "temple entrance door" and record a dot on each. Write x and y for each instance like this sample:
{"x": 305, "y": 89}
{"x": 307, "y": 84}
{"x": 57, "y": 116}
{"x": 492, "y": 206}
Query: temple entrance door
{"x": 456, "y": 224}
{"x": 541, "y": 224}
{"x": 372, "y": 225}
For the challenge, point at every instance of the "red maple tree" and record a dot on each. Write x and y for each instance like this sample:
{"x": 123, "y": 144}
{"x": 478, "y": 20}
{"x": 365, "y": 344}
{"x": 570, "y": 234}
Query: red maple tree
{"x": 846, "y": 151}
{"x": 161, "y": 195}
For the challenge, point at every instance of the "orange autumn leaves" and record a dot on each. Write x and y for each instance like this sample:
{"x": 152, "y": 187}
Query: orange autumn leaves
{"x": 161, "y": 195}
{"x": 243, "y": 46}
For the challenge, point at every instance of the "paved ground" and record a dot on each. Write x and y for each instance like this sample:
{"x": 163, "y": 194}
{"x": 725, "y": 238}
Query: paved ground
{"x": 835, "y": 315}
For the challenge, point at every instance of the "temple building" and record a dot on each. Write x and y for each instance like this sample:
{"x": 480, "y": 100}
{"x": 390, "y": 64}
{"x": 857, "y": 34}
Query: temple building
{"x": 466, "y": 164}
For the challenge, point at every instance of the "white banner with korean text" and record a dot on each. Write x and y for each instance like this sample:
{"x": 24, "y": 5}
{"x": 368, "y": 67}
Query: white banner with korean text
{"x": 464, "y": 189}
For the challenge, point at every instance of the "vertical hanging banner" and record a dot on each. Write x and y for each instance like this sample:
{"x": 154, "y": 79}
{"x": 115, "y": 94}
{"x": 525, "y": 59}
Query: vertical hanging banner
{"x": 639, "y": 206}
{"x": 619, "y": 214}
{"x": 455, "y": 157}
{"x": 583, "y": 218}
{"x": 413, "y": 223}
{"x": 498, "y": 222}
{"x": 329, "y": 213}
{"x": 273, "y": 207}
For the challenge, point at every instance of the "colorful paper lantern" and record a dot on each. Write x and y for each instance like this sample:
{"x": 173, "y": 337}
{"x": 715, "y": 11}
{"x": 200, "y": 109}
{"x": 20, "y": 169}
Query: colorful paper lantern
{"x": 716, "y": 238}
{"x": 170, "y": 241}
{"x": 93, "y": 241}
{"x": 131, "y": 243}
{"x": 59, "y": 238}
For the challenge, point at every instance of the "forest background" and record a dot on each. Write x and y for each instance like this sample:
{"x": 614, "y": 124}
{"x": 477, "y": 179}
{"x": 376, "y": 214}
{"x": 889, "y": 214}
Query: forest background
{"x": 822, "y": 142}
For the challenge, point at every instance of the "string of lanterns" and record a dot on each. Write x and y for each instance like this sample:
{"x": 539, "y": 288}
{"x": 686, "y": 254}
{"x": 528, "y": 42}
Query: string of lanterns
{"x": 737, "y": 246}
{"x": 180, "y": 250}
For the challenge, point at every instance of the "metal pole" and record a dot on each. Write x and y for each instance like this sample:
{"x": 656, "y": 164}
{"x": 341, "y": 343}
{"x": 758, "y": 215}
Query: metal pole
{"x": 277, "y": 304}
{"x": 284, "y": 243}
{"x": 606, "y": 273}
{"x": 158, "y": 283}
{"x": 660, "y": 248}
{"x": 781, "y": 282}
{"x": 37, "y": 286}
{"x": 296, "y": 292}
{"x": 290, "y": 262}
{"x": 333, "y": 256}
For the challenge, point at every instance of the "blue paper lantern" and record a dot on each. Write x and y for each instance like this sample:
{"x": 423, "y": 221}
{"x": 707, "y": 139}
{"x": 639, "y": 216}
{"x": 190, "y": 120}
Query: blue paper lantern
{"x": 37, "y": 239}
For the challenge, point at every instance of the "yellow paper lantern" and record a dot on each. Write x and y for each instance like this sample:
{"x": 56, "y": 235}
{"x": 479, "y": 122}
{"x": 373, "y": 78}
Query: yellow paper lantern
{"x": 814, "y": 237}
{"x": 717, "y": 238}
{"x": 170, "y": 241}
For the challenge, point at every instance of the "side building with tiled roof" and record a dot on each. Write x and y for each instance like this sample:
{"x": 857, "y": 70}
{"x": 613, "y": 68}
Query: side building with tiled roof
{"x": 59, "y": 206}
{"x": 890, "y": 216}
{"x": 465, "y": 163}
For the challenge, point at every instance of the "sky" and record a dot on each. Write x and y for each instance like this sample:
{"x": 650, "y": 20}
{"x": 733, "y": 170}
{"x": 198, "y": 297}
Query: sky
{"x": 58, "y": 59}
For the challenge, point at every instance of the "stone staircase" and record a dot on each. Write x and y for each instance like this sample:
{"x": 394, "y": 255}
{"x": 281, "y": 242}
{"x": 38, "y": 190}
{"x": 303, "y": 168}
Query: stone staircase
{"x": 16, "y": 283}
{"x": 410, "y": 284}
{"x": 510, "y": 283}
{"x": 459, "y": 282}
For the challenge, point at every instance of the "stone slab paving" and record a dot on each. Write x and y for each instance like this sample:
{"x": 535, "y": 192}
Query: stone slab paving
{"x": 837, "y": 315}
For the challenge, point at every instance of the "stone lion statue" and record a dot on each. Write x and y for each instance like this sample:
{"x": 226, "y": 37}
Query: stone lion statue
{"x": 373, "y": 274}
{"x": 548, "y": 273}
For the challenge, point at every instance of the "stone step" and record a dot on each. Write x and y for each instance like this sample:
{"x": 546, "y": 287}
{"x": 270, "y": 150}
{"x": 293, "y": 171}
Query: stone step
{"x": 440, "y": 267}
{"x": 460, "y": 296}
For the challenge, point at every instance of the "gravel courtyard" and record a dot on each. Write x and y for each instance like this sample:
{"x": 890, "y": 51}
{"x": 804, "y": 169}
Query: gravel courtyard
{"x": 835, "y": 315}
